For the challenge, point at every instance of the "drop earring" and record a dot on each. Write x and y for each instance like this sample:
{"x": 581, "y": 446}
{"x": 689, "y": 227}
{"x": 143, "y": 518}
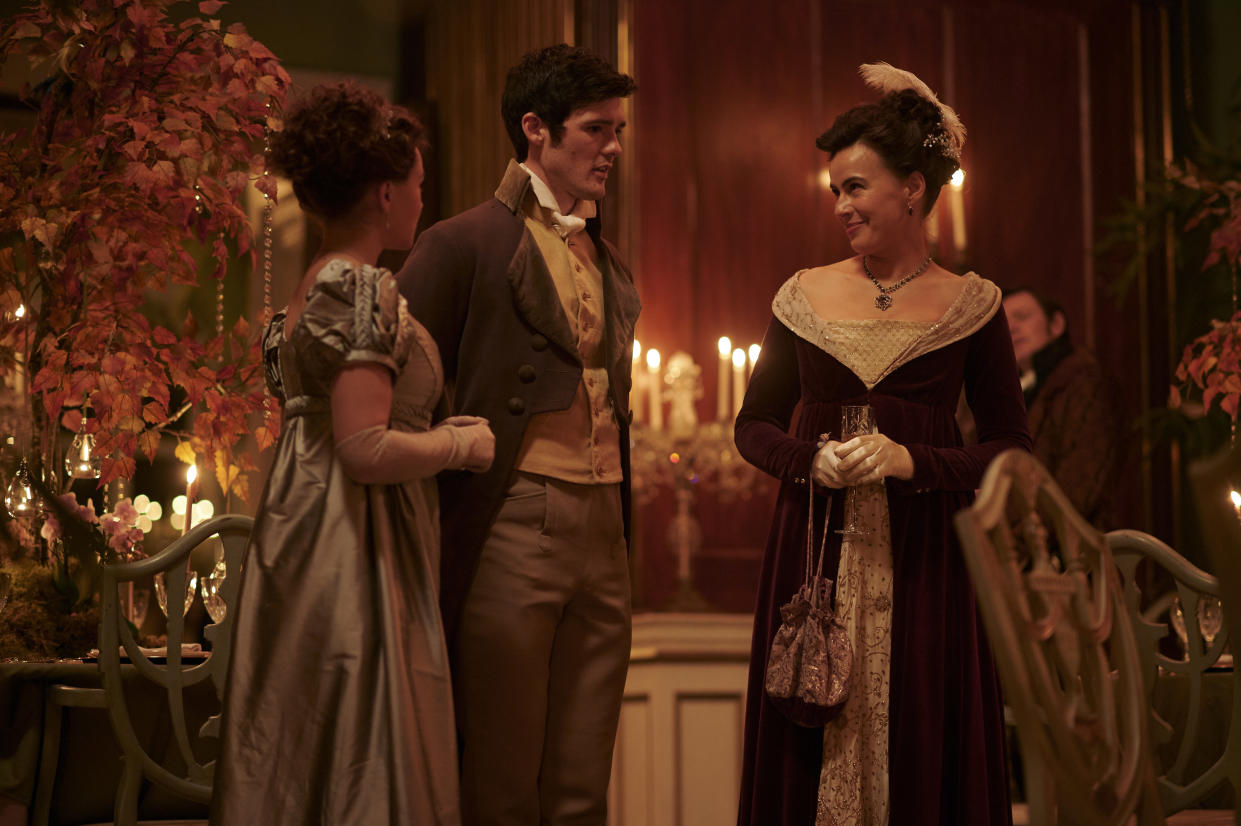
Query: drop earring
{"x": 911, "y": 209}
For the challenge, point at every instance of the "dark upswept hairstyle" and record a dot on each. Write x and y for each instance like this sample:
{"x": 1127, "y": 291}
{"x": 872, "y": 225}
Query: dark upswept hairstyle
{"x": 552, "y": 83}
{"x": 338, "y": 139}
{"x": 897, "y": 127}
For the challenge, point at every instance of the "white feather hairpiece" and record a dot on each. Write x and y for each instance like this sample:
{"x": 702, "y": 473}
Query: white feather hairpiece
{"x": 887, "y": 78}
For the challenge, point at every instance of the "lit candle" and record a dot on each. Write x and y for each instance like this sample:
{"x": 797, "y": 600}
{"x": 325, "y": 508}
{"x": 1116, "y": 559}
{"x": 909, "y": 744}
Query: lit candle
{"x": 753, "y": 354}
{"x": 721, "y": 395}
{"x": 1236, "y": 501}
{"x": 957, "y": 203}
{"x": 635, "y": 394}
{"x": 738, "y": 380}
{"x": 652, "y": 378}
{"x": 191, "y": 490}
{"x": 19, "y": 357}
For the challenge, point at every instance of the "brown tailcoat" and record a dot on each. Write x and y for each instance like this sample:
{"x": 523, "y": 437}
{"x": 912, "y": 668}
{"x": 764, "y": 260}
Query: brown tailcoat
{"x": 479, "y": 284}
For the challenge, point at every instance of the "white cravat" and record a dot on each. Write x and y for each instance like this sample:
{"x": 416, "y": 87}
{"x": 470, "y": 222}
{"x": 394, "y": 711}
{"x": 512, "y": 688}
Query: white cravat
{"x": 565, "y": 225}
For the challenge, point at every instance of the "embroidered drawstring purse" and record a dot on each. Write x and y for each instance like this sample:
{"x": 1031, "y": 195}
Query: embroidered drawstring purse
{"x": 808, "y": 668}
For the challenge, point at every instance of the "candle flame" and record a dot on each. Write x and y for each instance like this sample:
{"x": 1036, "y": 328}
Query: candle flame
{"x": 20, "y": 312}
{"x": 726, "y": 346}
{"x": 738, "y": 357}
{"x": 754, "y": 351}
{"x": 637, "y": 349}
{"x": 1235, "y": 497}
{"x": 652, "y": 359}
{"x": 191, "y": 474}
{"x": 958, "y": 179}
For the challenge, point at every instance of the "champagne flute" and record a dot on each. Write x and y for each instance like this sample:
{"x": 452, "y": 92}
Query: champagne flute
{"x": 855, "y": 420}
{"x": 1210, "y": 618}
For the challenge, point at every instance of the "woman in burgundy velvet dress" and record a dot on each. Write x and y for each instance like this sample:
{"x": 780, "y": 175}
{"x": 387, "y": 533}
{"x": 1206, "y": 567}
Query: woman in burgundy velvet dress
{"x": 920, "y": 738}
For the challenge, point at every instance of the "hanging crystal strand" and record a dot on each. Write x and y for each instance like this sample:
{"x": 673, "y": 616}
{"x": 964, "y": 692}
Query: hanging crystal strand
{"x": 1232, "y": 271}
{"x": 268, "y": 208}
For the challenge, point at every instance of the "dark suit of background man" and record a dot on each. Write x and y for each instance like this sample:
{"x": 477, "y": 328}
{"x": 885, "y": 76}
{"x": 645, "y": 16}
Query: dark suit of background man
{"x": 1074, "y": 417}
{"x": 534, "y": 314}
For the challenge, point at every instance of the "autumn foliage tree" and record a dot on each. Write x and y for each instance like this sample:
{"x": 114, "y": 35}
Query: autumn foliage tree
{"x": 147, "y": 133}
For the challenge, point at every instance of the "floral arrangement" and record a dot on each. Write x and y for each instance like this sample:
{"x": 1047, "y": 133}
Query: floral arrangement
{"x": 1209, "y": 371}
{"x": 147, "y": 133}
{"x": 118, "y": 528}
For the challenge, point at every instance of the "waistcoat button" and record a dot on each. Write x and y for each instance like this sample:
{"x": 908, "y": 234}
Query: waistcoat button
{"x": 516, "y": 406}
{"x": 539, "y": 341}
{"x": 526, "y": 373}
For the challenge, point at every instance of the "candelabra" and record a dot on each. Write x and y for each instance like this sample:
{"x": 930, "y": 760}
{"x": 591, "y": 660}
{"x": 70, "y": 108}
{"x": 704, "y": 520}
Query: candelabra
{"x": 687, "y": 456}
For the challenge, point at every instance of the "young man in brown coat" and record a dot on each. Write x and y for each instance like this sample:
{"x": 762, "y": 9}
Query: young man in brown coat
{"x": 533, "y": 313}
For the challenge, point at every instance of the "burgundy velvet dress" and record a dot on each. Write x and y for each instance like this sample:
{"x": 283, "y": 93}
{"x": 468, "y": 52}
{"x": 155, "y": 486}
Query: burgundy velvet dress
{"x": 945, "y": 722}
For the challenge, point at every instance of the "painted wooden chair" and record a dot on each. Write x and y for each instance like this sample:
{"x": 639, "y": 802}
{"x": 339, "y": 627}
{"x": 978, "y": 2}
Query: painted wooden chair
{"x": 1051, "y": 598}
{"x": 1216, "y": 482}
{"x": 183, "y": 771}
{"x": 1187, "y": 775}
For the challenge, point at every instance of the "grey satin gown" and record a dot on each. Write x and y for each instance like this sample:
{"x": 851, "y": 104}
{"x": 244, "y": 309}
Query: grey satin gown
{"x": 338, "y": 705}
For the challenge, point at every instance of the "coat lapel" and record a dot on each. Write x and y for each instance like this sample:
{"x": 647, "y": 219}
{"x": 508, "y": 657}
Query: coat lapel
{"x": 535, "y": 296}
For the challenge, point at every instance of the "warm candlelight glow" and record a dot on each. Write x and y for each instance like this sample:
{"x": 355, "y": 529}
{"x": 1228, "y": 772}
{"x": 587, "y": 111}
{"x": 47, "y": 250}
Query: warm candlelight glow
{"x": 825, "y": 178}
{"x": 653, "y": 387}
{"x": 753, "y": 359}
{"x": 956, "y": 206}
{"x": 20, "y": 312}
{"x": 725, "y": 346}
{"x": 191, "y": 490}
{"x": 1236, "y": 499}
{"x": 635, "y": 390}
{"x": 738, "y": 380}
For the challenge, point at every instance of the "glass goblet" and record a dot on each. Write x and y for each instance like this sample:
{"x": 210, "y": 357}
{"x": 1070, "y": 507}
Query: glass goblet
{"x": 161, "y": 592}
{"x": 1210, "y": 618}
{"x": 855, "y": 420}
{"x": 212, "y": 598}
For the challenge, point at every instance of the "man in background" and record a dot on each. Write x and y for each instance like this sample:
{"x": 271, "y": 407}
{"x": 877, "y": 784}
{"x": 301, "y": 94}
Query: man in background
{"x": 1074, "y": 421}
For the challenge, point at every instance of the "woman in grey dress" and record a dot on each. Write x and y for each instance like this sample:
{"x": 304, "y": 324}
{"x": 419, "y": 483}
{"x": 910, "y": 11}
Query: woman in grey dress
{"x": 338, "y": 706}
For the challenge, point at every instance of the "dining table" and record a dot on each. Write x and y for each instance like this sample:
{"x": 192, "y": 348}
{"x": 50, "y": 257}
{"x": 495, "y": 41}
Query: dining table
{"x": 88, "y": 768}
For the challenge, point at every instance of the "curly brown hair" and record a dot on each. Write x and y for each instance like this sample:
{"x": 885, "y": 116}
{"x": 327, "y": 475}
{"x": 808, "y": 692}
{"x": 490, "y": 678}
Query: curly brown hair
{"x": 896, "y": 127}
{"x": 338, "y": 140}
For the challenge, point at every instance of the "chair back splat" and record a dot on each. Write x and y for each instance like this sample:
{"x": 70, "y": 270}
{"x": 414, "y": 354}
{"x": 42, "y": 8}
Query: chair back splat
{"x": 1051, "y": 599}
{"x": 191, "y": 776}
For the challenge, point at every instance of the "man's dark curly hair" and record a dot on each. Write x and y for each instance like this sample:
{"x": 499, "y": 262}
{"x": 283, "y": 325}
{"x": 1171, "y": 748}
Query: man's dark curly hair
{"x": 338, "y": 140}
{"x": 552, "y": 83}
{"x": 896, "y": 127}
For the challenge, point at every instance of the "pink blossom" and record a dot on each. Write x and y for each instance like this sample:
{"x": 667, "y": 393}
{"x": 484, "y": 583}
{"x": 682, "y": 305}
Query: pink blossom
{"x": 126, "y": 512}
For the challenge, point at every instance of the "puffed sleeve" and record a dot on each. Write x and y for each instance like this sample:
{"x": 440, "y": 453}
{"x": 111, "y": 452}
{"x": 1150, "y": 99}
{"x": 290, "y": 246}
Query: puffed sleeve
{"x": 355, "y": 312}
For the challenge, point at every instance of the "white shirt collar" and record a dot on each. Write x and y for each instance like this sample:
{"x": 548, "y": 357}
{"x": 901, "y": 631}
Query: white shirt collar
{"x": 566, "y": 225}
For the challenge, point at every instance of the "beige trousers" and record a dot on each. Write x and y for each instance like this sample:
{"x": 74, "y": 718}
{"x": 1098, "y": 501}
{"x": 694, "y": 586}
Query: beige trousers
{"x": 542, "y": 653}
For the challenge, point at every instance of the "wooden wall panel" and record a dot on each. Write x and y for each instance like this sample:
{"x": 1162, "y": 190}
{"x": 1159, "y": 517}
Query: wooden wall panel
{"x": 1023, "y": 160}
{"x": 470, "y": 46}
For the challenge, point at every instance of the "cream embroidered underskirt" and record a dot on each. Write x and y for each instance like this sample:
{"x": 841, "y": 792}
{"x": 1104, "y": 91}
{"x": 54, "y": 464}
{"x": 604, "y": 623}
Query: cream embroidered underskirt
{"x": 853, "y": 782}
